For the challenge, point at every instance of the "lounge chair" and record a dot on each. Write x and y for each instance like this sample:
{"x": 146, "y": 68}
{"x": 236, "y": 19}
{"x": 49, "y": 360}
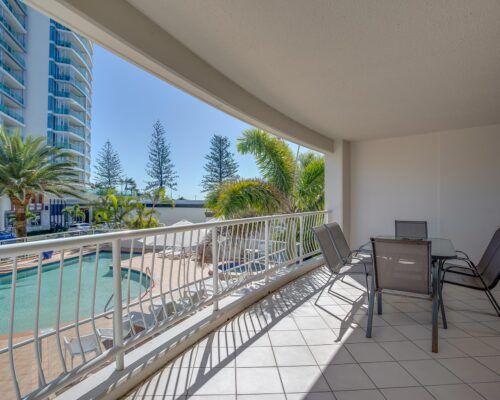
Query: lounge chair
{"x": 404, "y": 266}
{"x": 483, "y": 276}
{"x": 86, "y": 344}
{"x": 411, "y": 229}
{"x": 334, "y": 262}
{"x": 106, "y": 335}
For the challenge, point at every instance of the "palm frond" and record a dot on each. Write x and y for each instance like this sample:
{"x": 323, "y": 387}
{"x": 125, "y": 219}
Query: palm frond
{"x": 245, "y": 198}
{"x": 274, "y": 158}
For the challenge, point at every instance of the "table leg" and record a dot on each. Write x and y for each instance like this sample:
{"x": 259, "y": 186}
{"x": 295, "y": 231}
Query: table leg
{"x": 435, "y": 308}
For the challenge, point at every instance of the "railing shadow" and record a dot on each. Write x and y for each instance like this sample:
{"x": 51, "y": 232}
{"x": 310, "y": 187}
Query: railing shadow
{"x": 187, "y": 374}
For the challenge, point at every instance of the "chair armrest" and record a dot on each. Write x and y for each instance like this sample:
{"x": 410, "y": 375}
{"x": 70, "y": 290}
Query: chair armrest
{"x": 464, "y": 254}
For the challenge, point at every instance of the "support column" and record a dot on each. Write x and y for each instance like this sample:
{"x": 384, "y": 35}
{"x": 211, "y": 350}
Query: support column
{"x": 337, "y": 185}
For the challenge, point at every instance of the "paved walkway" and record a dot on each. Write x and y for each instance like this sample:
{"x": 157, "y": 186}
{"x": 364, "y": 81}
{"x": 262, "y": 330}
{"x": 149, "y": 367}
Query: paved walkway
{"x": 300, "y": 343}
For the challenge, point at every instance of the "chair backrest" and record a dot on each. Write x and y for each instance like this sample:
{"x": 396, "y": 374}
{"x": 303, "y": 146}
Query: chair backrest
{"x": 411, "y": 229}
{"x": 339, "y": 240}
{"x": 326, "y": 245}
{"x": 403, "y": 265}
{"x": 489, "y": 265}
{"x": 490, "y": 252}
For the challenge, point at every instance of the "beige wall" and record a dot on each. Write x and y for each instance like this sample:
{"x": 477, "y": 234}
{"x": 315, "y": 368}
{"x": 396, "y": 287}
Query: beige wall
{"x": 451, "y": 179}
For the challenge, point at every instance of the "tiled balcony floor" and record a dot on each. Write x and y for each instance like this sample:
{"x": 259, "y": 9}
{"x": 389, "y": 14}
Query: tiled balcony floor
{"x": 300, "y": 344}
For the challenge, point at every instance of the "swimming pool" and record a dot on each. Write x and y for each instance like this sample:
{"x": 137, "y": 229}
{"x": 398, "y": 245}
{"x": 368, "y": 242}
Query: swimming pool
{"x": 24, "y": 319}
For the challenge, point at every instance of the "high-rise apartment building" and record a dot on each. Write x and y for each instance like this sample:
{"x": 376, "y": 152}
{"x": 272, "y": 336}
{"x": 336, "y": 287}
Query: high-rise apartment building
{"x": 45, "y": 83}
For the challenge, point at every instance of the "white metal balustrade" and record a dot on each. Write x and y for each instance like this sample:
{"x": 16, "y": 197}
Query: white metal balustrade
{"x": 97, "y": 296}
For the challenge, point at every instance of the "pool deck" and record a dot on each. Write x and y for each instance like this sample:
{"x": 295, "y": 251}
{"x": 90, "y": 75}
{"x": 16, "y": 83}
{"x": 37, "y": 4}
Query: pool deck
{"x": 176, "y": 273}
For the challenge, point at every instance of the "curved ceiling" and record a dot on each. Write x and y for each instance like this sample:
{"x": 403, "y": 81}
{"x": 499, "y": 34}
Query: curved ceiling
{"x": 351, "y": 68}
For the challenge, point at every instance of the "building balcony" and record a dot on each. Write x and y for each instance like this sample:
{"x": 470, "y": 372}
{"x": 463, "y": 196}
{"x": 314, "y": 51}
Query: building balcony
{"x": 80, "y": 148}
{"x": 16, "y": 36}
{"x": 67, "y": 111}
{"x": 20, "y": 17}
{"x": 68, "y": 61}
{"x": 78, "y": 131}
{"x": 15, "y": 95}
{"x": 17, "y": 75}
{"x": 17, "y": 56}
{"x": 85, "y": 58}
{"x": 12, "y": 113}
{"x": 261, "y": 320}
{"x": 68, "y": 95}
{"x": 71, "y": 79}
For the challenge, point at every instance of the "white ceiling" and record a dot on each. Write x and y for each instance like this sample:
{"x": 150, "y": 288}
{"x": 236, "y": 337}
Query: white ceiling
{"x": 354, "y": 69}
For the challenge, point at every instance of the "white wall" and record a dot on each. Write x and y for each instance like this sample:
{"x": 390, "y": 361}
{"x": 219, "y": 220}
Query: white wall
{"x": 169, "y": 215}
{"x": 37, "y": 84}
{"x": 451, "y": 179}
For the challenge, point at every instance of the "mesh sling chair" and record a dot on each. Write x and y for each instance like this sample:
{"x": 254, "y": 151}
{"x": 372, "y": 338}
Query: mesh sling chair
{"x": 404, "y": 266}
{"x": 342, "y": 247}
{"x": 483, "y": 276}
{"x": 332, "y": 258}
{"x": 411, "y": 229}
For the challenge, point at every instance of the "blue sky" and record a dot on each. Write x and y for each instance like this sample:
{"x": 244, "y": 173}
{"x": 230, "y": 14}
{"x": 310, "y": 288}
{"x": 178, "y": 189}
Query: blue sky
{"x": 126, "y": 103}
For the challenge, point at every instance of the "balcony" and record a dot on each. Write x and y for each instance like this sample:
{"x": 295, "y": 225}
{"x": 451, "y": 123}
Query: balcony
{"x": 16, "y": 36}
{"x": 17, "y": 75}
{"x": 80, "y": 148}
{"x": 12, "y": 93}
{"x": 20, "y": 18}
{"x": 11, "y": 112}
{"x": 71, "y": 79}
{"x": 71, "y": 129}
{"x": 85, "y": 57}
{"x": 68, "y": 95}
{"x": 70, "y": 112}
{"x": 83, "y": 71}
{"x": 17, "y": 56}
{"x": 223, "y": 334}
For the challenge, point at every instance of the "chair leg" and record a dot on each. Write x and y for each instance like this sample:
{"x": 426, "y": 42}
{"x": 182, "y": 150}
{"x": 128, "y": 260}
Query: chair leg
{"x": 379, "y": 302}
{"x": 441, "y": 303}
{"x": 371, "y": 304}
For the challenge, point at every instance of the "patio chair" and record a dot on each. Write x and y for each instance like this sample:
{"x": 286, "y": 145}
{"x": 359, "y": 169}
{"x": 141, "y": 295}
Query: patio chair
{"x": 411, "y": 229}
{"x": 342, "y": 247}
{"x": 106, "y": 335}
{"x": 403, "y": 266}
{"x": 89, "y": 344}
{"x": 333, "y": 260}
{"x": 483, "y": 276}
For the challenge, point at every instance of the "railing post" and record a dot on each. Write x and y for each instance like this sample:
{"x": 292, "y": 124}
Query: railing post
{"x": 301, "y": 239}
{"x": 117, "y": 311}
{"x": 215, "y": 268}
{"x": 266, "y": 247}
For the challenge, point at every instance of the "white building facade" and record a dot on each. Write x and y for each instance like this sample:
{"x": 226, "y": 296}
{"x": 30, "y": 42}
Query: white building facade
{"x": 45, "y": 87}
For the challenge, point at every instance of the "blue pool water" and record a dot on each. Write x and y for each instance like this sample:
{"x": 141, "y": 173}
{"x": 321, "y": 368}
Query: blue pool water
{"x": 25, "y": 302}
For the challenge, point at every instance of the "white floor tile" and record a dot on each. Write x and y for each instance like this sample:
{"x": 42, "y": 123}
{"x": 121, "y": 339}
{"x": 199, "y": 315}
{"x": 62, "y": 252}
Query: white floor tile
{"x": 388, "y": 374}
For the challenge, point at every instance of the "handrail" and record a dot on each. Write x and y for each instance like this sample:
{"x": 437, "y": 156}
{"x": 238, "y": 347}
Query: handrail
{"x": 58, "y": 244}
{"x": 169, "y": 273}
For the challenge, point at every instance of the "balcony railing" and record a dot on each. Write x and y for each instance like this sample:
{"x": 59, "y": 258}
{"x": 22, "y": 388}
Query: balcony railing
{"x": 74, "y": 81}
{"x": 19, "y": 17}
{"x": 72, "y": 146}
{"x": 68, "y": 95}
{"x": 68, "y": 111}
{"x": 12, "y": 113}
{"x": 70, "y": 128}
{"x": 18, "y": 37}
{"x": 156, "y": 277}
{"x": 16, "y": 56}
{"x": 15, "y": 94}
{"x": 70, "y": 46}
{"x": 17, "y": 75}
{"x": 79, "y": 68}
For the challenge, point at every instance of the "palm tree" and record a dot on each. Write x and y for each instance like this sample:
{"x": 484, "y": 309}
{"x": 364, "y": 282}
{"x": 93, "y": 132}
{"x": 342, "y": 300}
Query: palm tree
{"x": 289, "y": 184}
{"x": 29, "y": 167}
{"x": 75, "y": 212}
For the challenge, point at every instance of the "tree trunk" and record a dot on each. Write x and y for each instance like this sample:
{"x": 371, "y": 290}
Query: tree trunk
{"x": 20, "y": 211}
